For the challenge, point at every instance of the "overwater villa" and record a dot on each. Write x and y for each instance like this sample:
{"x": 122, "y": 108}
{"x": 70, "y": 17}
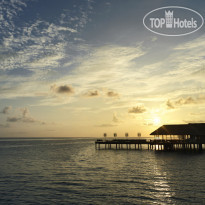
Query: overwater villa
{"x": 167, "y": 137}
{"x": 192, "y": 132}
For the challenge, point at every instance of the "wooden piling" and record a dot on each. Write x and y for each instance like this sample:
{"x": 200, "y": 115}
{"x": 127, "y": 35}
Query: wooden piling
{"x": 151, "y": 145}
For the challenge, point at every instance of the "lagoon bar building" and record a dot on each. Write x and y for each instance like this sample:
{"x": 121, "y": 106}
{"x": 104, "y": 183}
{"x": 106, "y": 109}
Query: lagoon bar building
{"x": 192, "y": 132}
{"x": 167, "y": 137}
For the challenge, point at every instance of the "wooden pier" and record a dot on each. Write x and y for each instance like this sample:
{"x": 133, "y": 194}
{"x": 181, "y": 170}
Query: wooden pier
{"x": 187, "y": 137}
{"x": 138, "y": 144}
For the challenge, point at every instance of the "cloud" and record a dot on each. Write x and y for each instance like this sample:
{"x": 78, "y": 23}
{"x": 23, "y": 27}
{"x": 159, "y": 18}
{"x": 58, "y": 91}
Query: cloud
{"x": 4, "y": 125}
{"x": 137, "y": 110}
{"x": 24, "y": 111}
{"x": 197, "y": 113}
{"x": 29, "y": 120}
{"x": 194, "y": 121}
{"x": 149, "y": 124}
{"x": 170, "y": 105}
{"x": 116, "y": 119}
{"x": 91, "y": 68}
{"x": 25, "y": 117}
{"x": 106, "y": 125}
{"x": 30, "y": 48}
{"x": 185, "y": 101}
{"x": 13, "y": 119}
{"x": 9, "y": 10}
{"x": 96, "y": 93}
{"x": 21, "y": 119}
{"x": 110, "y": 59}
{"x": 38, "y": 42}
{"x": 112, "y": 94}
{"x": 6, "y": 110}
{"x": 49, "y": 60}
{"x": 20, "y": 72}
{"x": 92, "y": 93}
{"x": 62, "y": 89}
{"x": 193, "y": 44}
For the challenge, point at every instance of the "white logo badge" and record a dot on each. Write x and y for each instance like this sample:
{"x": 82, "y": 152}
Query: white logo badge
{"x": 173, "y": 21}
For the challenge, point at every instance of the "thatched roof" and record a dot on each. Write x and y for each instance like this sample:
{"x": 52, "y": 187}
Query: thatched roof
{"x": 181, "y": 129}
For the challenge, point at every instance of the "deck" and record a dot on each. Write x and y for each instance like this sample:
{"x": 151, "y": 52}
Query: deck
{"x": 139, "y": 144}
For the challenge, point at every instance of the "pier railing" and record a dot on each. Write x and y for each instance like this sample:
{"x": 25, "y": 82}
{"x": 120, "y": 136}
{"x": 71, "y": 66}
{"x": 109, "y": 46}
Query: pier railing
{"x": 155, "y": 144}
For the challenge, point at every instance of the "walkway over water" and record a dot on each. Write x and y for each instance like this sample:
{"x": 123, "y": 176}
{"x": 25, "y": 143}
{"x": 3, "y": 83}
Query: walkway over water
{"x": 137, "y": 144}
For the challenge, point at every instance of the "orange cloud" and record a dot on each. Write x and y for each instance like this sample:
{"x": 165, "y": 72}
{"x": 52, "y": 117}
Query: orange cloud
{"x": 62, "y": 89}
{"x": 137, "y": 110}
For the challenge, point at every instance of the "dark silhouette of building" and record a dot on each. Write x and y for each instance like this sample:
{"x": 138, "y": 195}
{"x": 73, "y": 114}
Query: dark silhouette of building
{"x": 193, "y": 132}
{"x": 167, "y": 137}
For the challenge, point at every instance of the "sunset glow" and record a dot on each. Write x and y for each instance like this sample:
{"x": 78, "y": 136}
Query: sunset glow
{"x": 82, "y": 68}
{"x": 156, "y": 121}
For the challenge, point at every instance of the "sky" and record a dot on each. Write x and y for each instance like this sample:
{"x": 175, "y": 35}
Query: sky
{"x": 81, "y": 68}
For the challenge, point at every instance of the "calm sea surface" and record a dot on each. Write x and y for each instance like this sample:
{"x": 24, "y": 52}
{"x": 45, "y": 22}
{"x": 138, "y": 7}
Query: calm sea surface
{"x": 71, "y": 171}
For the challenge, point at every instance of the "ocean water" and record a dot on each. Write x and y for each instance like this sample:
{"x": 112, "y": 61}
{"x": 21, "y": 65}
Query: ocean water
{"x": 70, "y": 171}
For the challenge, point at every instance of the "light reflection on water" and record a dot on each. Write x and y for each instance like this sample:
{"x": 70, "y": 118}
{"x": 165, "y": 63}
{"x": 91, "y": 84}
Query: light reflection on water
{"x": 162, "y": 188}
{"x": 68, "y": 172}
